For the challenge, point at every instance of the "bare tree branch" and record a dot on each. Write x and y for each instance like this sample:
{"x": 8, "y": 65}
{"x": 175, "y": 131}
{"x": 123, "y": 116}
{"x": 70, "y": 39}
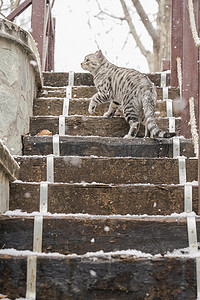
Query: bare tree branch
{"x": 133, "y": 30}
{"x": 14, "y": 6}
{"x": 145, "y": 20}
{"x": 107, "y": 14}
{"x": 90, "y": 26}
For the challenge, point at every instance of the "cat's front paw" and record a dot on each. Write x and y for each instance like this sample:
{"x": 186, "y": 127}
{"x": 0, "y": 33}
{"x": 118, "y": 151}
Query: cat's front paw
{"x": 92, "y": 108}
{"x": 107, "y": 114}
{"x": 128, "y": 136}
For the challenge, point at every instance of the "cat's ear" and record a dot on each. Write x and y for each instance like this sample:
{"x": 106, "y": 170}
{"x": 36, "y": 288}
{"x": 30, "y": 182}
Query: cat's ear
{"x": 100, "y": 55}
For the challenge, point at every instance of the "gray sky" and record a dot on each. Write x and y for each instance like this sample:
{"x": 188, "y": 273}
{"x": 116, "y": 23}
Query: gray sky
{"x": 75, "y": 39}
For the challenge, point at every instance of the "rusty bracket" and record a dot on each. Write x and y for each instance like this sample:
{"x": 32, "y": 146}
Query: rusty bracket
{"x": 71, "y": 78}
{"x": 176, "y": 146}
{"x": 165, "y": 93}
{"x": 56, "y": 147}
{"x": 192, "y": 233}
{"x": 182, "y": 169}
{"x": 163, "y": 80}
{"x": 37, "y": 236}
{"x": 169, "y": 108}
{"x": 50, "y": 168}
{"x": 69, "y": 92}
{"x": 172, "y": 124}
{"x": 43, "y": 197}
{"x": 66, "y": 107}
{"x": 61, "y": 125}
{"x": 188, "y": 197}
{"x": 31, "y": 277}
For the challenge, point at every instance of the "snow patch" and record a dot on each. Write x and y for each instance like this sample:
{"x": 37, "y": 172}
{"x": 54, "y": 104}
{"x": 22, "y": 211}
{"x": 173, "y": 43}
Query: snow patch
{"x": 20, "y": 213}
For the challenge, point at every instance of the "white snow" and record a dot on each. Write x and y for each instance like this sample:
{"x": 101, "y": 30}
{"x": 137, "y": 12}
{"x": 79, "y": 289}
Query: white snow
{"x": 106, "y": 228}
{"x": 93, "y": 273}
{"x": 14, "y": 252}
{"x": 177, "y": 253}
{"x": 19, "y": 213}
{"x": 183, "y": 253}
{"x": 89, "y": 184}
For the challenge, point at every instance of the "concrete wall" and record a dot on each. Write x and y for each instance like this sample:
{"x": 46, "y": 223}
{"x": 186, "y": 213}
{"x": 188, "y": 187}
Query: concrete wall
{"x": 20, "y": 77}
{"x": 9, "y": 170}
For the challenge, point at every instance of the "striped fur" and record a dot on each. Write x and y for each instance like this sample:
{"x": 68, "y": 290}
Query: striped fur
{"x": 126, "y": 89}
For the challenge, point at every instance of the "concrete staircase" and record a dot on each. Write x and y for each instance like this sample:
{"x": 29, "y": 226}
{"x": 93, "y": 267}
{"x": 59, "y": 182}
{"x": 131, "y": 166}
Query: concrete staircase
{"x": 111, "y": 211}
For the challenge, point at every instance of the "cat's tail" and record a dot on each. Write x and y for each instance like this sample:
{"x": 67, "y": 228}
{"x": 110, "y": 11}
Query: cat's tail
{"x": 149, "y": 101}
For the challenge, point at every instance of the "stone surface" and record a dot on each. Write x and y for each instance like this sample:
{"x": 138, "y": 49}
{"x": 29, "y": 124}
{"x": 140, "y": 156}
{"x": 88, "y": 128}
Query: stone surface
{"x": 20, "y": 77}
{"x": 9, "y": 170}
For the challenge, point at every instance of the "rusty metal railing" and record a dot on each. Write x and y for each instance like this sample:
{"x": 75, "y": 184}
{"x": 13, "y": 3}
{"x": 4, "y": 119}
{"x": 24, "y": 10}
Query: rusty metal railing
{"x": 43, "y": 29}
{"x": 185, "y": 45}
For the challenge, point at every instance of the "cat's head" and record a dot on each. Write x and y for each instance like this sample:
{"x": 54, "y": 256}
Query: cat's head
{"x": 92, "y": 61}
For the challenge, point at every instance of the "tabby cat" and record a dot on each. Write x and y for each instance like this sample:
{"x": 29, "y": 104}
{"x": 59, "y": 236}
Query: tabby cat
{"x": 126, "y": 89}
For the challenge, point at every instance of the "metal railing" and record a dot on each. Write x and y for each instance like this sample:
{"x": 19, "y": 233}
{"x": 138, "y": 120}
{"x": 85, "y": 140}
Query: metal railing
{"x": 185, "y": 46}
{"x": 43, "y": 29}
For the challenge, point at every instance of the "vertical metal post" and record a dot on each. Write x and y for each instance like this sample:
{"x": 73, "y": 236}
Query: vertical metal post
{"x": 176, "y": 38}
{"x": 51, "y": 46}
{"x": 38, "y": 24}
{"x": 199, "y": 150}
{"x": 190, "y": 72}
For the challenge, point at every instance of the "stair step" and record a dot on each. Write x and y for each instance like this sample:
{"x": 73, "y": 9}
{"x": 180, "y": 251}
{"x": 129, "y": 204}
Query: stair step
{"x": 81, "y": 234}
{"x": 102, "y": 199}
{"x": 107, "y": 170}
{"x": 93, "y": 126}
{"x": 89, "y": 91}
{"x": 59, "y": 79}
{"x": 54, "y": 107}
{"x": 109, "y": 147}
{"x": 111, "y": 276}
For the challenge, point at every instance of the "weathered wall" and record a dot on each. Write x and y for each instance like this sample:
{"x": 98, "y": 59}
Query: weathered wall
{"x": 20, "y": 77}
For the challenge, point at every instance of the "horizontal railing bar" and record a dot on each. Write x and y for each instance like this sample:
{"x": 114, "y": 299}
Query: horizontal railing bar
{"x": 19, "y": 10}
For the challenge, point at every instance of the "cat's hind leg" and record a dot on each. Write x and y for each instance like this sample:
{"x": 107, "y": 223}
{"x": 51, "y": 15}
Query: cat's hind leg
{"x": 131, "y": 116}
{"x": 146, "y": 131}
{"x": 133, "y": 131}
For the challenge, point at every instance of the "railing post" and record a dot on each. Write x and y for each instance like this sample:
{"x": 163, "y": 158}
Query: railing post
{"x": 38, "y": 25}
{"x": 43, "y": 29}
{"x": 190, "y": 67}
{"x": 51, "y": 46}
{"x": 176, "y": 38}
